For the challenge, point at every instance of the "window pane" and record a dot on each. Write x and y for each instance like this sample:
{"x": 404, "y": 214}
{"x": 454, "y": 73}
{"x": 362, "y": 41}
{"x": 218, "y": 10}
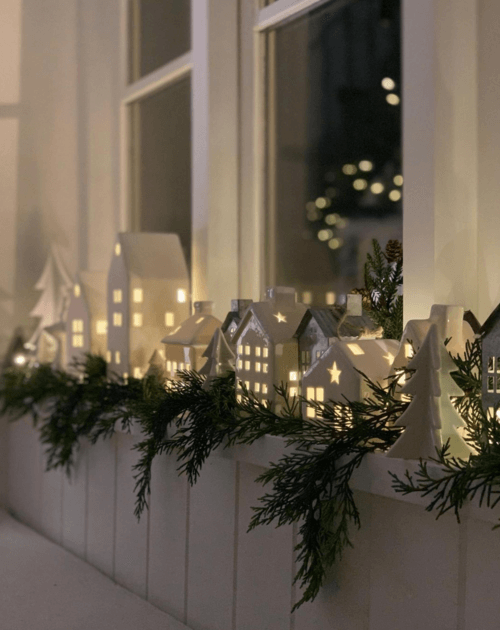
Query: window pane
{"x": 161, "y": 163}
{"x": 159, "y": 32}
{"x": 334, "y": 144}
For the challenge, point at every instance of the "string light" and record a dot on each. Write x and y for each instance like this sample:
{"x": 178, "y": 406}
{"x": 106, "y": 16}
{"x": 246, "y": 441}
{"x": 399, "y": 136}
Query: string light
{"x": 377, "y": 188}
{"x": 324, "y": 235}
{"x": 365, "y": 165}
{"x": 360, "y": 184}
{"x": 398, "y": 180}
{"x": 335, "y": 243}
{"x": 395, "y": 195}
{"x": 392, "y": 99}
{"x": 349, "y": 169}
{"x": 331, "y": 219}
{"x": 388, "y": 83}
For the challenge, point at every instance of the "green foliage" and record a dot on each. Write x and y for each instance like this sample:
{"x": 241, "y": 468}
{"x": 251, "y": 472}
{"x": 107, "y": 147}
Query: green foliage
{"x": 383, "y": 280}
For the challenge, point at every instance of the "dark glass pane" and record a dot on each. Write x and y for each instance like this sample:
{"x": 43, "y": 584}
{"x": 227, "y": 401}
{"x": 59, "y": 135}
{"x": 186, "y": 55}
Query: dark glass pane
{"x": 334, "y": 144}
{"x": 160, "y": 31}
{"x": 161, "y": 163}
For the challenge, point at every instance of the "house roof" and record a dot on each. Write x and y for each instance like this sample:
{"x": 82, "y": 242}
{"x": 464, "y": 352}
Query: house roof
{"x": 153, "y": 255}
{"x": 328, "y": 320}
{"x": 491, "y": 321}
{"x": 375, "y": 357}
{"x": 195, "y": 330}
{"x": 94, "y": 288}
{"x": 266, "y": 313}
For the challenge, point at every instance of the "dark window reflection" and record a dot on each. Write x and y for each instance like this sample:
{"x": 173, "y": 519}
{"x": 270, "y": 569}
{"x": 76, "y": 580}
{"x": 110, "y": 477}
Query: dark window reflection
{"x": 334, "y": 144}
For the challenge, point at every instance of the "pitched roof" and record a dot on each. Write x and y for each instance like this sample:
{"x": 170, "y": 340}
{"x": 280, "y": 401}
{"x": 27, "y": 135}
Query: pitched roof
{"x": 266, "y": 313}
{"x": 490, "y": 322}
{"x": 195, "y": 330}
{"x": 153, "y": 255}
{"x": 328, "y": 320}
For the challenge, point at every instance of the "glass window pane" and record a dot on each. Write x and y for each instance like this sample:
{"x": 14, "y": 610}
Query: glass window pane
{"x": 161, "y": 163}
{"x": 334, "y": 144}
{"x": 160, "y": 31}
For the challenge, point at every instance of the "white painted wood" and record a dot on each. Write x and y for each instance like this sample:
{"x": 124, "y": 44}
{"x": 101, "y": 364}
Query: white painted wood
{"x": 100, "y": 514}
{"x": 414, "y": 568}
{"x": 264, "y": 563}
{"x": 344, "y": 601}
{"x": 210, "y": 580}
{"x": 440, "y": 155}
{"x": 282, "y": 11}
{"x": 131, "y": 537}
{"x": 74, "y": 504}
{"x": 168, "y": 515}
{"x": 51, "y": 503}
{"x": 166, "y": 75}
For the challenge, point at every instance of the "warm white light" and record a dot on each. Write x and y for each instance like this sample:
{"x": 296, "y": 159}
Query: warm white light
{"x": 498, "y": 414}
{"x": 256, "y": 388}
{"x": 398, "y": 180}
{"x": 101, "y": 327}
{"x": 365, "y": 165}
{"x": 330, "y": 297}
{"x": 310, "y": 393}
{"x": 306, "y": 297}
{"x": 118, "y": 357}
{"x": 19, "y": 359}
{"x": 169, "y": 366}
{"x": 334, "y": 373}
{"x": 264, "y": 368}
{"x": 247, "y": 365}
{"x": 118, "y": 249}
{"x": 240, "y": 349}
{"x": 137, "y": 320}
{"x": 335, "y": 243}
{"x": 77, "y": 325}
{"x": 324, "y": 235}
{"x": 388, "y": 83}
{"x": 247, "y": 349}
{"x": 169, "y": 319}
{"x": 349, "y": 169}
{"x": 199, "y": 320}
{"x": 320, "y": 394}
{"x": 257, "y": 351}
{"x": 181, "y": 296}
{"x": 355, "y": 348}
{"x": 395, "y": 195}
{"x": 281, "y": 319}
{"x": 294, "y": 391}
{"x": 377, "y": 188}
{"x": 392, "y": 99}
{"x": 76, "y": 290}
{"x": 331, "y": 219}
{"x": 360, "y": 184}
{"x": 408, "y": 351}
{"x": 138, "y": 296}
{"x": 293, "y": 376}
{"x": 137, "y": 372}
{"x": 117, "y": 296}
{"x": 257, "y": 367}
{"x": 310, "y": 412}
{"x": 265, "y": 352}
{"x": 264, "y": 388}
{"x": 117, "y": 319}
{"x": 322, "y": 202}
{"x": 108, "y": 356}
{"x": 240, "y": 364}
{"x": 389, "y": 358}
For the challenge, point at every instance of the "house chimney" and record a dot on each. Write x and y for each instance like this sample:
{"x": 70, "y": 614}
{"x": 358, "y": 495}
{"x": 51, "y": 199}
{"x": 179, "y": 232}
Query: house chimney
{"x": 204, "y": 307}
{"x": 281, "y": 296}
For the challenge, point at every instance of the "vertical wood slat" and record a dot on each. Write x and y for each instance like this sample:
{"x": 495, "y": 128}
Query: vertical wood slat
{"x": 74, "y": 504}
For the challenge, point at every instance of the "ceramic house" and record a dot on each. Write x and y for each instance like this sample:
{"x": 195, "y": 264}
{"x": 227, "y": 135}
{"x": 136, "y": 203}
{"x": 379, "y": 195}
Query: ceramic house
{"x": 266, "y": 349}
{"x": 148, "y": 295}
{"x": 186, "y": 344}
{"x": 86, "y": 325}
{"x": 334, "y": 376}
{"x": 320, "y": 326}
{"x": 490, "y": 332}
{"x": 233, "y": 318}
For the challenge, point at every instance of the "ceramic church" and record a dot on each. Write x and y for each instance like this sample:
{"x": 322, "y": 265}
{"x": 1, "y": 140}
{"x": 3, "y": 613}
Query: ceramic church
{"x": 266, "y": 348}
{"x": 86, "y": 324}
{"x": 185, "y": 345}
{"x": 335, "y": 377}
{"x": 147, "y": 296}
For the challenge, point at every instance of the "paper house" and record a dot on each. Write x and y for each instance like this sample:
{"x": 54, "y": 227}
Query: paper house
{"x": 266, "y": 349}
{"x": 234, "y": 317}
{"x": 86, "y": 324}
{"x": 148, "y": 295}
{"x": 320, "y": 326}
{"x": 185, "y": 345}
{"x": 334, "y": 375}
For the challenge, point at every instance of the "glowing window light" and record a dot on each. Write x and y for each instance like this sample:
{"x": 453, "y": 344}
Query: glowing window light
{"x": 77, "y": 341}
{"x": 117, "y": 296}
{"x": 108, "y": 356}
{"x": 181, "y": 366}
{"x": 310, "y": 393}
{"x": 188, "y": 367}
{"x": 117, "y": 319}
{"x": 349, "y": 169}
{"x": 365, "y": 165}
{"x": 169, "y": 366}
{"x": 265, "y": 352}
{"x": 138, "y": 296}
{"x": 169, "y": 319}
{"x": 335, "y": 243}
{"x": 377, "y": 188}
{"x": 392, "y": 99}
{"x": 306, "y": 297}
{"x": 125, "y": 377}
{"x": 264, "y": 388}
{"x": 293, "y": 376}
{"x": 181, "y": 296}
{"x": 247, "y": 384}
{"x": 294, "y": 391}
{"x": 238, "y": 398}
{"x": 240, "y": 364}
{"x": 320, "y": 394}
{"x": 398, "y": 180}
{"x": 77, "y": 325}
{"x": 256, "y": 388}
{"x": 247, "y": 365}
{"x": 247, "y": 349}
{"x": 257, "y": 367}
{"x": 174, "y": 366}
{"x": 388, "y": 83}
{"x": 137, "y": 320}
{"x": 257, "y": 351}
{"x": 395, "y": 195}
{"x": 76, "y": 290}
{"x": 265, "y": 368}
{"x": 408, "y": 351}
{"x": 240, "y": 349}
{"x": 310, "y": 412}
{"x": 137, "y": 372}
{"x": 101, "y": 326}
{"x": 355, "y": 348}
{"x": 118, "y": 358}
{"x": 118, "y": 249}
{"x": 360, "y": 184}
{"x": 330, "y": 298}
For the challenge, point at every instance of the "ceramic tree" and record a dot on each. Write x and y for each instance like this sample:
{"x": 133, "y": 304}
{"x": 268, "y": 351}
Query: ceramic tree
{"x": 157, "y": 366}
{"x": 220, "y": 358}
{"x": 55, "y": 285}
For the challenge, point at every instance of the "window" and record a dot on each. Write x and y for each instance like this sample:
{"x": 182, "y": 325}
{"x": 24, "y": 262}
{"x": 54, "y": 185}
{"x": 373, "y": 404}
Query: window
{"x": 137, "y": 372}
{"x": 76, "y": 290}
{"x": 108, "y": 356}
{"x": 257, "y": 351}
{"x": 293, "y": 376}
{"x": 264, "y": 388}
{"x": 240, "y": 349}
{"x": 169, "y": 319}
{"x": 491, "y": 364}
{"x": 77, "y": 325}
{"x": 265, "y": 353}
{"x": 333, "y": 157}
{"x": 256, "y": 388}
{"x": 264, "y": 368}
{"x": 101, "y": 326}
{"x": 316, "y": 394}
{"x": 169, "y": 366}
{"x": 118, "y": 249}
{"x": 247, "y": 349}
{"x": 138, "y": 296}
{"x": 181, "y": 296}
{"x": 117, "y": 319}
{"x": 247, "y": 365}
{"x": 77, "y": 341}
{"x": 257, "y": 367}
{"x": 137, "y": 320}
{"x": 117, "y": 296}
{"x": 118, "y": 357}
{"x": 240, "y": 364}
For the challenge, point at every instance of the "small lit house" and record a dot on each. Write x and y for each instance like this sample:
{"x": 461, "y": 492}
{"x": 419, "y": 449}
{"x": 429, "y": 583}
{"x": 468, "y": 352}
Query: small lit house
{"x": 266, "y": 349}
{"x": 490, "y": 332}
{"x": 186, "y": 344}
{"x": 233, "y": 318}
{"x": 86, "y": 323}
{"x": 335, "y": 377}
{"x": 148, "y": 295}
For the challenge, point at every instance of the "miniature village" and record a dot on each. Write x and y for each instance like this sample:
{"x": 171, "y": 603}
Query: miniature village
{"x": 138, "y": 317}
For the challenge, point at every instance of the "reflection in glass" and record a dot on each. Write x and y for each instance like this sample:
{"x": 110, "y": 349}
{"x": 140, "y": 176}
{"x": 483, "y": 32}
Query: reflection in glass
{"x": 161, "y": 163}
{"x": 334, "y": 144}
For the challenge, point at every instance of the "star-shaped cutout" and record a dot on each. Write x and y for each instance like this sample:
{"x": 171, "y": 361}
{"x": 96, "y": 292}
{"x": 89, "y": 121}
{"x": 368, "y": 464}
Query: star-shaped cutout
{"x": 389, "y": 357}
{"x": 280, "y": 318}
{"x": 334, "y": 373}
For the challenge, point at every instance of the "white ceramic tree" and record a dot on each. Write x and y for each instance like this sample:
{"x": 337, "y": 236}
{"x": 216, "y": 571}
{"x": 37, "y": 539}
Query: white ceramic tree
{"x": 157, "y": 367}
{"x": 220, "y": 357}
{"x": 55, "y": 285}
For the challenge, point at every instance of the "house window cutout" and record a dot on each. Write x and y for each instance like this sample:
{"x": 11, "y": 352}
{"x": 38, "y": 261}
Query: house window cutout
{"x": 117, "y": 319}
{"x": 138, "y": 296}
{"x": 77, "y": 325}
{"x": 118, "y": 249}
{"x": 355, "y": 348}
{"x": 181, "y": 296}
{"x": 77, "y": 341}
{"x": 137, "y": 320}
{"x": 117, "y": 296}
{"x": 118, "y": 358}
{"x": 169, "y": 319}
{"x": 101, "y": 326}
{"x": 76, "y": 290}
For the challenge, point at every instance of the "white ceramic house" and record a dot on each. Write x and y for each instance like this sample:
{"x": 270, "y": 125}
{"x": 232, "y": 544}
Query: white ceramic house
{"x": 266, "y": 349}
{"x": 334, "y": 375}
{"x": 147, "y": 295}
{"x": 86, "y": 323}
{"x": 233, "y": 318}
{"x": 185, "y": 345}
